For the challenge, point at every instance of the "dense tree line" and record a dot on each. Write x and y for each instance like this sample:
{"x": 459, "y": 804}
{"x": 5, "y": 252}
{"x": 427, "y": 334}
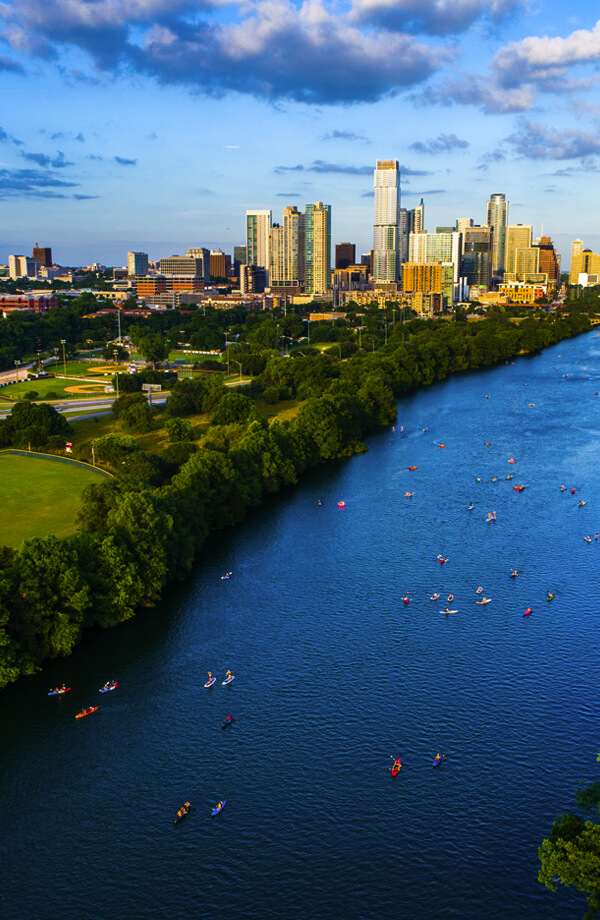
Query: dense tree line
{"x": 144, "y": 528}
{"x": 571, "y": 854}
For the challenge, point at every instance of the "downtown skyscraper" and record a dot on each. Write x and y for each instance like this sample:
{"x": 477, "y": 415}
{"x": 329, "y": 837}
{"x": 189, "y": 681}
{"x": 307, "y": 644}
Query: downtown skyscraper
{"x": 497, "y": 220}
{"x": 386, "y": 222}
{"x": 258, "y": 228}
{"x": 317, "y": 252}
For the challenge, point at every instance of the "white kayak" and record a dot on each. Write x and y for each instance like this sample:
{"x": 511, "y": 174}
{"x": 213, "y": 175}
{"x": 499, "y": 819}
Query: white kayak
{"x": 486, "y": 600}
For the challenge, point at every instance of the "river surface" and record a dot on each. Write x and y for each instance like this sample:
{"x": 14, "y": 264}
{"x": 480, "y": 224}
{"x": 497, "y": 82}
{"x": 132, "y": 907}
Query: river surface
{"x": 334, "y": 677}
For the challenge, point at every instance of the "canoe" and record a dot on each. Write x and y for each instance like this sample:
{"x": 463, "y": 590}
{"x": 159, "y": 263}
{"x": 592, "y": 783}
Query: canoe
{"x": 58, "y": 692}
{"x": 210, "y": 682}
{"x": 228, "y": 680}
{"x": 86, "y": 712}
{"x": 219, "y": 807}
{"x": 396, "y": 767}
{"x": 111, "y": 686}
{"x": 183, "y": 811}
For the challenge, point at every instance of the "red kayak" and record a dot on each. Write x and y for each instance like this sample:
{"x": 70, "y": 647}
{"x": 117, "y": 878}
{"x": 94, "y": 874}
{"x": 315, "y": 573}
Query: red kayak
{"x": 86, "y": 712}
{"x": 528, "y": 612}
{"x": 396, "y": 767}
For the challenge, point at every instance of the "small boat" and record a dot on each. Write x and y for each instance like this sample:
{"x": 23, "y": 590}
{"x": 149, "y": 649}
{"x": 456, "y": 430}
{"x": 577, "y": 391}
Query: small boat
{"x": 484, "y": 600}
{"x": 228, "y": 678}
{"x": 434, "y": 597}
{"x": 512, "y": 461}
{"x": 86, "y": 712}
{"x": 110, "y": 685}
{"x": 226, "y": 576}
{"x": 447, "y": 611}
{"x": 58, "y": 691}
{"x": 531, "y": 405}
{"x": 550, "y": 596}
{"x": 588, "y": 539}
{"x": 443, "y": 446}
{"x": 573, "y": 491}
{"x": 580, "y": 504}
{"x": 211, "y": 680}
{"x": 341, "y": 504}
{"x": 413, "y": 468}
{"x": 513, "y": 574}
{"x": 528, "y": 612}
{"x": 219, "y": 807}
{"x": 397, "y": 766}
{"x": 408, "y": 495}
{"x": 518, "y": 488}
{"x": 442, "y": 559}
{"x": 479, "y": 590}
{"x": 562, "y": 488}
{"x": 406, "y": 598}
{"x": 438, "y": 759}
{"x": 510, "y": 476}
{"x": 227, "y": 722}
{"x": 183, "y": 811}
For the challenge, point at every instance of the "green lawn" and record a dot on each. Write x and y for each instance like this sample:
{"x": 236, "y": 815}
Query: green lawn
{"x": 39, "y": 497}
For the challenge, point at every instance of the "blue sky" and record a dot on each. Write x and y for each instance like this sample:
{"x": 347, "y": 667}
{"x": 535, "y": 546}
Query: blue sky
{"x": 154, "y": 124}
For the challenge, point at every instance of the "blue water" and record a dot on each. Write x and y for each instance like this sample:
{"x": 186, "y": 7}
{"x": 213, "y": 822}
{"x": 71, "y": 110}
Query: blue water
{"x": 334, "y": 674}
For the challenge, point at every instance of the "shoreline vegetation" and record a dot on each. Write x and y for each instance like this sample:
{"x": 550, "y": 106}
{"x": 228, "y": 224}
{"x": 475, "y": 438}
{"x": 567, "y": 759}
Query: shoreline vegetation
{"x": 147, "y": 526}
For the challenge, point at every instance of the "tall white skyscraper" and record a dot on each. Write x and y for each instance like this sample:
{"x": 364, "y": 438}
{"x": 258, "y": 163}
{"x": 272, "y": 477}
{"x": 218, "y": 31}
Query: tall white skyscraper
{"x": 258, "y": 228}
{"x": 386, "y": 222}
{"x": 497, "y": 219}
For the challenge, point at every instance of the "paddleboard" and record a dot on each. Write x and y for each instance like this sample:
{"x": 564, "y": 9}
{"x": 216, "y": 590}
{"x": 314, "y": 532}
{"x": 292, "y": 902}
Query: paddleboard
{"x": 210, "y": 682}
{"x": 228, "y": 680}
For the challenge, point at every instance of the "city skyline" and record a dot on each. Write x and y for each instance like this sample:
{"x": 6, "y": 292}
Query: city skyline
{"x": 163, "y": 123}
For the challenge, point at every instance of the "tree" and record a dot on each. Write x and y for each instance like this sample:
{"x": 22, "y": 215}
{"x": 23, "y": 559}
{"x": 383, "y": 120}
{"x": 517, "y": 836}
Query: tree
{"x": 133, "y": 410}
{"x": 32, "y": 424}
{"x": 154, "y": 348}
{"x": 179, "y": 429}
{"x": 571, "y": 855}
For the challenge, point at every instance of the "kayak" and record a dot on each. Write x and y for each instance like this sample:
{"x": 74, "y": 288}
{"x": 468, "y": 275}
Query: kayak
{"x": 111, "y": 685}
{"x": 438, "y": 759}
{"x": 518, "y": 488}
{"x": 411, "y": 468}
{"x": 396, "y": 767}
{"x": 486, "y": 600}
{"x": 341, "y": 504}
{"x": 228, "y": 679}
{"x": 86, "y": 712}
{"x": 448, "y": 611}
{"x": 227, "y": 722}
{"x": 210, "y": 682}
{"x": 58, "y": 691}
{"x": 219, "y": 807}
{"x": 528, "y": 612}
{"x": 183, "y": 811}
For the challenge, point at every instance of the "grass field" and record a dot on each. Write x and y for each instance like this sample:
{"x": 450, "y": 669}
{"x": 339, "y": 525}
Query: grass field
{"x": 39, "y": 497}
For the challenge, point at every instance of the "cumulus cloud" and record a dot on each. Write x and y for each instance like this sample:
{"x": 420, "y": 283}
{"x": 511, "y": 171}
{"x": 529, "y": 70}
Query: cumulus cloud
{"x": 485, "y": 94}
{"x": 544, "y": 61}
{"x": 538, "y": 142}
{"x": 433, "y": 17}
{"x": 442, "y": 144}
{"x": 276, "y": 49}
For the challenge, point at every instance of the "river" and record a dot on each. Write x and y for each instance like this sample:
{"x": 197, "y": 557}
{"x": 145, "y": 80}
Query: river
{"x": 334, "y": 674}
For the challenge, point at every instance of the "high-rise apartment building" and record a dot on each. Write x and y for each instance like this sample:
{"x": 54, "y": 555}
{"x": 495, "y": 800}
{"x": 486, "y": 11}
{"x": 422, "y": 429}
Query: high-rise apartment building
{"x": 463, "y": 223}
{"x": 584, "y": 262}
{"x": 287, "y": 246}
{"x": 137, "y": 263}
{"x": 258, "y": 228}
{"x": 317, "y": 250}
{"x": 345, "y": 255}
{"x": 497, "y": 219}
{"x": 576, "y": 250}
{"x": 477, "y": 256}
{"x": 239, "y": 258}
{"x": 386, "y": 227}
{"x": 445, "y": 246}
{"x": 416, "y": 218}
{"x": 522, "y": 257}
{"x": 220, "y": 263}
{"x": 42, "y": 255}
